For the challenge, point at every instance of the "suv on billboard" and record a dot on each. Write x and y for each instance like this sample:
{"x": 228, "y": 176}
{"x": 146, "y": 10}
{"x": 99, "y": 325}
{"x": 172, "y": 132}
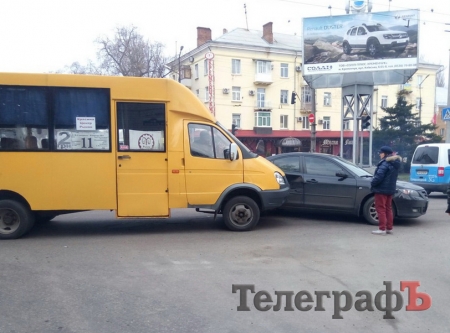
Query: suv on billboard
{"x": 374, "y": 38}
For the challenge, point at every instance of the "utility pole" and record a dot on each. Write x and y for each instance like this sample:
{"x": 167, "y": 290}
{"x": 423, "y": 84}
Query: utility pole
{"x": 447, "y": 126}
{"x": 313, "y": 125}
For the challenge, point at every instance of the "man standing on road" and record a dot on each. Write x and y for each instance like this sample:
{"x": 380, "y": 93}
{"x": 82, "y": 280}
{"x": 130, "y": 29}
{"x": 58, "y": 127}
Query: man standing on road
{"x": 448, "y": 200}
{"x": 384, "y": 186}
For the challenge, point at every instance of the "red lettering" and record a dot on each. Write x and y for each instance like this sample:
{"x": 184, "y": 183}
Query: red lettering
{"x": 414, "y": 295}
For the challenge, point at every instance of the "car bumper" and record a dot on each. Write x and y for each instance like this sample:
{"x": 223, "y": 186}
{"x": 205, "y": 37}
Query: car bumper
{"x": 411, "y": 207}
{"x": 274, "y": 199}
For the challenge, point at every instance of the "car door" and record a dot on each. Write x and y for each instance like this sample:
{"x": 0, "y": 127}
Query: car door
{"x": 323, "y": 189}
{"x": 290, "y": 164}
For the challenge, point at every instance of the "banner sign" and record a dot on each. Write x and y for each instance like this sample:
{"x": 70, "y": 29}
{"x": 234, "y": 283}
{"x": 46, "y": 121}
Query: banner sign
{"x": 361, "y": 42}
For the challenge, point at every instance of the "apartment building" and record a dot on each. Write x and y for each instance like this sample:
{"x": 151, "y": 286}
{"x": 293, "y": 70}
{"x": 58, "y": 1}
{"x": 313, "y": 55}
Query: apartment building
{"x": 246, "y": 78}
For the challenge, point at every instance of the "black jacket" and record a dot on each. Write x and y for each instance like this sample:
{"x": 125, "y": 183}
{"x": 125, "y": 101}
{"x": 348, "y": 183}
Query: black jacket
{"x": 385, "y": 177}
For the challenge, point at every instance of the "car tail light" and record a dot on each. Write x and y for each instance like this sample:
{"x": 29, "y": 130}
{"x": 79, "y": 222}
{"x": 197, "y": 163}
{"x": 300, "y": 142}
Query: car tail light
{"x": 440, "y": 171}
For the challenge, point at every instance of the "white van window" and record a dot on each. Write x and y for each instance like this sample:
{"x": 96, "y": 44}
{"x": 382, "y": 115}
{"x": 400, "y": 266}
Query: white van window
{"x": 426, "y": 155}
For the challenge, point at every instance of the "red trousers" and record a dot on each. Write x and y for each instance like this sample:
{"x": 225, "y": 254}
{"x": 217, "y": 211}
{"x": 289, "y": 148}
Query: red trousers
{"x": 383, "y": 206}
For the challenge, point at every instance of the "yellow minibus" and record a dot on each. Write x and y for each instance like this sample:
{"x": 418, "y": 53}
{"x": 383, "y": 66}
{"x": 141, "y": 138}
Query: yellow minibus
{"x": 138, "y": 146}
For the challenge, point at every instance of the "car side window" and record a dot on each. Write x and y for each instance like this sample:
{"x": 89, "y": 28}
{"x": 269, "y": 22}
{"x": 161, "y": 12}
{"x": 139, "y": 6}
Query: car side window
{"x": 360, "y": 31}
{"x": 321, "y": 167}
{"x": 207, "y": 142}
{"x": 288, "y": 164}
{"x": 353, "y": 32}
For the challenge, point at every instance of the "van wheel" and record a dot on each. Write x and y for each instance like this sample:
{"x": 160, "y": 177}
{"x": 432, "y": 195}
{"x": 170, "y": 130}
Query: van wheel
{"x": 241, "y": 214}
{"x": 15, "y": 219}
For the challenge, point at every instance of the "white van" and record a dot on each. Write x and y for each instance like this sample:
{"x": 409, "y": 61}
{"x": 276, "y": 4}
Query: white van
{"x": 430, "y": 167}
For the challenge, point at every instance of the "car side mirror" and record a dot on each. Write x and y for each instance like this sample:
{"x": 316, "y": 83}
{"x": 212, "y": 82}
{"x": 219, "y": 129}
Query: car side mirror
{"x": 342, "y": 175}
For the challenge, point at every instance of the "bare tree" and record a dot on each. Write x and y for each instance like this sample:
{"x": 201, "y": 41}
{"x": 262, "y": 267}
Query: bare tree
{"x": 128, "y": 54}
{"x": 440, "y": 77}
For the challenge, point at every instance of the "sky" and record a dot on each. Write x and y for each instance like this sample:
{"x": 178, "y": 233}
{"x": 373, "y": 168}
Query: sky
{"x": 47, "y": 35}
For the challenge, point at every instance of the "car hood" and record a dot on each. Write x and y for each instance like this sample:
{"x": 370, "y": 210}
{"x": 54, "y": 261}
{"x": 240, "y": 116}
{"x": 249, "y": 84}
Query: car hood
{"x": 407, "y": 185}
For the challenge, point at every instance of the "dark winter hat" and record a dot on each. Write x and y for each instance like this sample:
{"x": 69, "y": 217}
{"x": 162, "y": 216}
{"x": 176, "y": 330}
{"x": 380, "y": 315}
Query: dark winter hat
{"x": 386, "y": 149}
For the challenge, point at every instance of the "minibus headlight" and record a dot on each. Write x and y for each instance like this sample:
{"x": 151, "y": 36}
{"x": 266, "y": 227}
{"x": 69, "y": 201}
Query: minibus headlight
{"x": 279, "y": 178}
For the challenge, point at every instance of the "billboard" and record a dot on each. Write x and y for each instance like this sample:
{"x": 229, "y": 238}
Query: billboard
{"x": 366, "y": 42}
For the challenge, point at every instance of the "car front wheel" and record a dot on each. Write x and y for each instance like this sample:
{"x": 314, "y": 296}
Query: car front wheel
{"x": 370, "y": 213}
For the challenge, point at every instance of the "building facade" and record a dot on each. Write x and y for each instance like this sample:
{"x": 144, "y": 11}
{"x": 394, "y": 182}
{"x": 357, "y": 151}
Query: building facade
{"x": 247, "y": 78}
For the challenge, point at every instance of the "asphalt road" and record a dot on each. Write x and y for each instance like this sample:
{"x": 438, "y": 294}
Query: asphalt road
{"x": 89, "y": 272}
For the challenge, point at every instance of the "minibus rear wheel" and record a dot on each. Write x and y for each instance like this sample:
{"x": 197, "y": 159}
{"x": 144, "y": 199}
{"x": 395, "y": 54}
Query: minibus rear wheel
{"x": 241, "y": 214}
{"x": 16, "y": 219}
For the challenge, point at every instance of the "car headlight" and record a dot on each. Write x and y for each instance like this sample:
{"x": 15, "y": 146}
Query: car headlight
{"x": 387, "y": 36}
{"x": 412, "y": 193}
{"x": 279, "y": 178}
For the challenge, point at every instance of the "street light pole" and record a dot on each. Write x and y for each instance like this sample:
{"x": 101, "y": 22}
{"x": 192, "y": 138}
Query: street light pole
{"x": 420, "y": 99}
{"x": 179, "y": 64}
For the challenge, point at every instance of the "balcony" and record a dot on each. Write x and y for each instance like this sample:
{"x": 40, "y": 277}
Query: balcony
{"x": 262, "y": 105}
{"x": 187, "y": 82}
{"x": 263, "y": 78}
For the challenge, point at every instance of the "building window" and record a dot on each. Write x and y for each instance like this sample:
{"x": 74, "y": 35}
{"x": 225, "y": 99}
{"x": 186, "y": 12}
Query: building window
{"x": 263, "y": 67}
{"x": 442, "y": 132}
{"x": 419, "y": 80}
{"x": 196, "y": 71}
{"x": 284, "y": 70}
{"x": 327, "y": 99}
{"x": 326, "y": 123}
{"x": 305, "y": 122}
{"x": 260, "y": 97}
{"x": 236, "y": 93}
{"x": 262, "y": 119}
{"x": 235, "y": 66}
{"x": 236, "y": 120}
{"x": 197, "y": 92}
{"x": 306, "y": 95}
{"x": 346, "y": 125}
{"x": 206, "y": 94}
{"x": 205, "y": 66}
{"x": 384, "y": 101}
{"x": 418, "y": 103}
{"x": 283, "y": 121}
{"x": 284, "y": 97}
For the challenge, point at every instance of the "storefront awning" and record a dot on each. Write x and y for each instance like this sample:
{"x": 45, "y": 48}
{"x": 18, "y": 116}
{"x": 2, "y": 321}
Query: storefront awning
{"x": 290, "y": 142}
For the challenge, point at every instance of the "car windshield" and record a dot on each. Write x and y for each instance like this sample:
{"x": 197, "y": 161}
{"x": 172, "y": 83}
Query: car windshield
{"x": 353, "y": 168}
{"x": 377, "y": 27}
{"x": 236, "y": 140}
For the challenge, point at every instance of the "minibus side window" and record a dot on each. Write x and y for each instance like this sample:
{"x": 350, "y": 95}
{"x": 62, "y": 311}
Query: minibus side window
{"x": 141, "y": 126}
{"x": 207, "y": 142}
{"x": 81, "y": 119}
{"x": 23, "y": 118}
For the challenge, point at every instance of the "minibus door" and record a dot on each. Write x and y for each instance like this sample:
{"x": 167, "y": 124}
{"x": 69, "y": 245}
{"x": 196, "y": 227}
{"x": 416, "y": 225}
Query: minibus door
{"x": 141, "y": 160}
{"x": 208, "y": 170}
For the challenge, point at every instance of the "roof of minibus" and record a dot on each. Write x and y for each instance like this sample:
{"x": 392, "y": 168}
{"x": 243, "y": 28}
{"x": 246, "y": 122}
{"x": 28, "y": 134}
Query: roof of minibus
{"x": 179, "y": 97}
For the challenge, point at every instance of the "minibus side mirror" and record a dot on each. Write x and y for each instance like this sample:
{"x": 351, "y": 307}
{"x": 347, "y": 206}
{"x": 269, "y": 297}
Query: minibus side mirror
{"x": 232, "y": 152}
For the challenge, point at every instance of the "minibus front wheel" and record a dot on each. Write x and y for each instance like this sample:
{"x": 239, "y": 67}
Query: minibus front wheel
{"x": 241, "y": 214}
{"x": 15, "y": 219}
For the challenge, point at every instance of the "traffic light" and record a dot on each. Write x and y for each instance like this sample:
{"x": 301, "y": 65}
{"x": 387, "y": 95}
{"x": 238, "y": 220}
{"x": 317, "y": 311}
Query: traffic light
{"x": 233, "y": 129}
{"x": 293, "y": 97}
{"x": 365, "y": 122}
